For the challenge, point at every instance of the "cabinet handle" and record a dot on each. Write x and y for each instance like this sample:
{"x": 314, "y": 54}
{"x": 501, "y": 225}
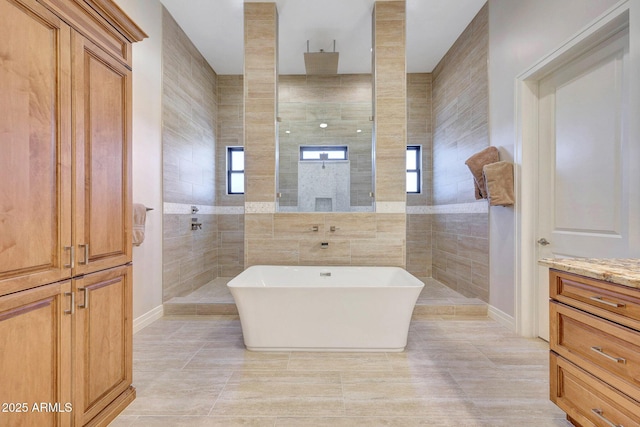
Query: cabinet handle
{"x": 86, "y": 254}
{"x": 597, "y": 298}
{"x": 85, "y": 303}
{"x": 72, "y": 256}
{"x": 612, "y": 358}
{"x": 73, "y": 302}
{"x": 599, "y": 413}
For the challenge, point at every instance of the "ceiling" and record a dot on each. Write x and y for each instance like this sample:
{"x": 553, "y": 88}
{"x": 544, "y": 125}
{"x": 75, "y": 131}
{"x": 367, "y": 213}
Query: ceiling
{"x": 216, "y": 28}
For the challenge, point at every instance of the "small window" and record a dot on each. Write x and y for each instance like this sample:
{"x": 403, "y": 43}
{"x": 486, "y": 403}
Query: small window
{"x": 323, "y": 152}
{"x": 414, "y": 166}
{"x": 235, "y": 170}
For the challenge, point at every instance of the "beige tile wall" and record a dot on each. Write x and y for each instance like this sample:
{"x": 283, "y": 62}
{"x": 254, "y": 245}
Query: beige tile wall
{"x": 390, "y": 100}
{"x": 260, "y": 99}
{"x": 286, "y": 238}
{"x": 230, "y": 244}
{"x": 189, "y": 109}
{"x": 460, "y": 112}
{"x": 230, "y": 132}
{"x": 460, "y": 118}
{"x": 460, "y": 244}
{"x": 344, "y": 103}
{"x": 358, "y": 239}
{"x": 461, "y": 253}
{"x": 419, "y": 131}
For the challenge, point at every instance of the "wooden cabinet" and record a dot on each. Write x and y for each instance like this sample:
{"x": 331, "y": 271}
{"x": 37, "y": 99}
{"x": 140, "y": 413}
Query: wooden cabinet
{"x": 35, "y": 362}
{"x": 35, "y": 147}
{"x": 65, "y": 126}
{"x": 65, "y": 210}
{"x": 102, "y": 128}
{"x": 103, "y": 343}
{"x": 595, "y": 350}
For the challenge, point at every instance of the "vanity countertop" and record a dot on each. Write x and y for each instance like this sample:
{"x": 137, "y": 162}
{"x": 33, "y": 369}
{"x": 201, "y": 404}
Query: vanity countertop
{"x": 621, "y": 271}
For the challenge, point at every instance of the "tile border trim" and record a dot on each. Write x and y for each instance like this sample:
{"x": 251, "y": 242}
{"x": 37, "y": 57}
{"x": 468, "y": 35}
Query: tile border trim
{"x": 391, "y": 207}
{"x": 259, "y": 207}
{"x": 473, "y": 207}
{"x": 185, "y": 209}
{"x": 381, "y": 207}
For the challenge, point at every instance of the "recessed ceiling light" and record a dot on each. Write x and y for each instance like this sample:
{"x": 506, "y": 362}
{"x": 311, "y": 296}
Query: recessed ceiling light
{"x": 359, "y": 130}
{"x": 323, "y": 125}
{"x": 287, "y": 131}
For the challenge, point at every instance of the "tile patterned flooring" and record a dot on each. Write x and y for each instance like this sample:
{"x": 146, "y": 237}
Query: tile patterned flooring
{"x": 194, "y": 371}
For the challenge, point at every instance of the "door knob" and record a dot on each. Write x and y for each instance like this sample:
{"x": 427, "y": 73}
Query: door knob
{"x": 544, "y": 242}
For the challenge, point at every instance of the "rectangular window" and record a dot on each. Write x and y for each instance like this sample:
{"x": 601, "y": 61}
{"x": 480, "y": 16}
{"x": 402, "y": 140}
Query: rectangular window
{"x": 324, "y": 152}
{"x": 235, "y": 170}
{"x": 414, "y": 166}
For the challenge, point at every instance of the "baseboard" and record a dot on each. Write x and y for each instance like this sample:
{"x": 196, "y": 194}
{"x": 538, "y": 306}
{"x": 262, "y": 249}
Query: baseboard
{"x": 503, "y": 318}
{"x": 141, "y": 322}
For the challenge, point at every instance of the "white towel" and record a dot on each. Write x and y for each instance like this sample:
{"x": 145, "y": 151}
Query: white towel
{"x": 139, "y": 218}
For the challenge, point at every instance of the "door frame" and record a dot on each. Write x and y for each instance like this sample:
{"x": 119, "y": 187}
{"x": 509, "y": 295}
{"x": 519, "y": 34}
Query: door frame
{"x": 526, "y": 148}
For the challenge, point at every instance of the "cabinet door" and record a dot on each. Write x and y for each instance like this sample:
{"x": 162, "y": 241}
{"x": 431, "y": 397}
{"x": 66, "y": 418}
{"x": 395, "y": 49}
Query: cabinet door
{"x": 102, "y": 203}
{"x": 103, "y": 341}
{"x": 35, "y": 147}
{"x": 35, "y": 357}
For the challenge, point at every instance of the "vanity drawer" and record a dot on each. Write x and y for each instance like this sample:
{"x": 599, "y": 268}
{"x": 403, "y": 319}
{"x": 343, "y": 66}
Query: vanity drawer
{"x": 609, "y": 351}
{"x": 588, "y": 400}
{"x": 615, "y": 302}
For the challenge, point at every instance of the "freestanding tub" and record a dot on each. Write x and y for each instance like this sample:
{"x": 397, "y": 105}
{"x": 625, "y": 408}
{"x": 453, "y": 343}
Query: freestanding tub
{"x": 325, "y": 308}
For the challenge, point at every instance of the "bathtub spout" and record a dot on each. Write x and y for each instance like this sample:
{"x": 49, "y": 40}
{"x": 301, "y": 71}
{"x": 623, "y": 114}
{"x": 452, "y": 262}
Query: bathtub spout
{"x": 324, "y": 245}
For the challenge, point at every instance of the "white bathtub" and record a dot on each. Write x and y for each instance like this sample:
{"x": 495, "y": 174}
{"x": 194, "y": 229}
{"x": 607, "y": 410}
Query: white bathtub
{"x": 325, "y": 308}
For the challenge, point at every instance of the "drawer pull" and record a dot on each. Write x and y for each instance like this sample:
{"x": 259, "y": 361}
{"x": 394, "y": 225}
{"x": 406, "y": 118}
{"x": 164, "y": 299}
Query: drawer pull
{"x": 72, "y": 308}
{"x": 599, "y": 414}
{"x": 611, "y": 304}
{"x": 612, "y": 358}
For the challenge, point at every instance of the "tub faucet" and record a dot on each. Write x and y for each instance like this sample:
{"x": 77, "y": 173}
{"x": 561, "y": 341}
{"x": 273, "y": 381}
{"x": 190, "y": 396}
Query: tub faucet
{"x": 324, "y": 245}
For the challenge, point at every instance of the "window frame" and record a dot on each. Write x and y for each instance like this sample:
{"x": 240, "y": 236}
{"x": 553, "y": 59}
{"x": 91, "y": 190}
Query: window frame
{"x": 418, "y": 153}
{"x": 231, "y": 171}
{"x": 324, "y": 148}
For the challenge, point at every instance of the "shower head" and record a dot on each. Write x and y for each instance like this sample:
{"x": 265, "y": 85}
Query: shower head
{"x": 321, "y": 63}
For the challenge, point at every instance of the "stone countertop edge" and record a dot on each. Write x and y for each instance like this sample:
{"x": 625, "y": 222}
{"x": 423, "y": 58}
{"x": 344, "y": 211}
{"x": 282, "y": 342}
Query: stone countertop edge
{"x": 621, "y": 271}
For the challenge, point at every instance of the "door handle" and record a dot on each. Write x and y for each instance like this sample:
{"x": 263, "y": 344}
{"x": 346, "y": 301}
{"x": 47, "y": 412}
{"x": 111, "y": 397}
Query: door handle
{"x": 544, "y": 242}
{"x": 72, "y": 306}
{"x": 86, "y": 254}
{"x": 72, "y": 256}
{"x": 85, "y": 303}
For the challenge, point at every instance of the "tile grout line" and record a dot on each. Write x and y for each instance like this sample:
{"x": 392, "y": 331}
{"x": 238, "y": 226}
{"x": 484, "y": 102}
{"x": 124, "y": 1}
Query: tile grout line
{"x": 220, "y": 394}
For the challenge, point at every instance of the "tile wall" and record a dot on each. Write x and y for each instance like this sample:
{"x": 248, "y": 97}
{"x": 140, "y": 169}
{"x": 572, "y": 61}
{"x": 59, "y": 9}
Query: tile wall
{"x": 359, "y": 238}
{"x": 452, "y": 247}
{"x": 419, "y": 132}
{"x": 390, "y": 96}
{"x": 460, "y": 247}
{"x": 344, "y": 103}
{"x": 260, "y": 99}
{"x": 189, "y": 109}
{"x": 230, "y": 132}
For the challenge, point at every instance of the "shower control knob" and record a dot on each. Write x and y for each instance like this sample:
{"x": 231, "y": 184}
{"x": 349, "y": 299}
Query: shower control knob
{"x": 544, "y": 242}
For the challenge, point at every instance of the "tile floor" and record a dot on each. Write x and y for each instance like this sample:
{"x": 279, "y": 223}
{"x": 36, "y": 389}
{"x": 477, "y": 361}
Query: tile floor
{"x": 194, "y": 371}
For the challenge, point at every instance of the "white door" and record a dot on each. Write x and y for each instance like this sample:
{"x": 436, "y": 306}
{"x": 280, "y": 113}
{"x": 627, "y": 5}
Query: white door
{"x": 584, "y": 166}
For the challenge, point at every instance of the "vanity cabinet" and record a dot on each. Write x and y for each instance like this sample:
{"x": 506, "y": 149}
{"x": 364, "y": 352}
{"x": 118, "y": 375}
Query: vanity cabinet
{"x": 65, "y": 210}
{"x": 595, "y": 350}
